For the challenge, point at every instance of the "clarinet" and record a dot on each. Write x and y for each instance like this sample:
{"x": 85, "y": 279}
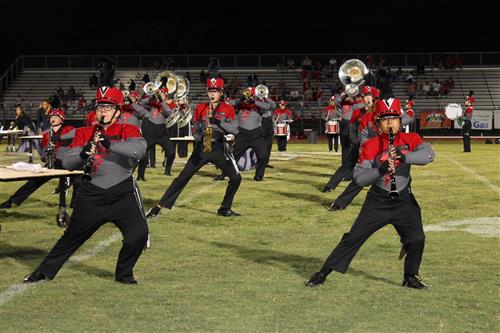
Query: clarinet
{"x": 89, "y": 162}
{"x": 50, "y": 151}
{"x": 393, "y": 194}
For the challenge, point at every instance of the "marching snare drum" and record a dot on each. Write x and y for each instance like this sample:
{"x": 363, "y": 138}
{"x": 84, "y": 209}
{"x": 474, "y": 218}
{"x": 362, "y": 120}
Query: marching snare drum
{"x": 281, "y": 130}
{"x": 332, "y": 127}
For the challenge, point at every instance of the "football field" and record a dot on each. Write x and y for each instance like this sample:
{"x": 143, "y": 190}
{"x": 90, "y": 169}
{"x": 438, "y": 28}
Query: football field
{"x": 205, "y": 273}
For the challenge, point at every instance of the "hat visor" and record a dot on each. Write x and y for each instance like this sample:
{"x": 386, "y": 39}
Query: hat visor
{"x": 106, "y": 101}
{"x": 389, "y": 115}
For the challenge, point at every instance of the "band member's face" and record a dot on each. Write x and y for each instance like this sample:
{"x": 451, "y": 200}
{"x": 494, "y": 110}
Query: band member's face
{"x": 106, "y": 113}
{"x": 45, "y": 105}
{"x": 390, "y": 122}
{"x": 332, "y": 102}
{"x": 214, "y": 95}
{"x": 467, "y": 103}
{"x": 282, "y": 106}
{"x": 368, "y": 99}
{"x": 55, "y": 120}
{"x": 18, "y": 111}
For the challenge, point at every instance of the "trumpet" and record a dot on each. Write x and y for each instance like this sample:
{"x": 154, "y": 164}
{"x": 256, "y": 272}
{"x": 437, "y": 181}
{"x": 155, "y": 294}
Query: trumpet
{"x": 351, "y": 74}
{"x": 261, "y": 91}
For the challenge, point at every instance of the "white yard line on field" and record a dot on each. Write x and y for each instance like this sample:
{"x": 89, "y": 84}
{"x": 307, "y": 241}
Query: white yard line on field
{"x": 18, "y": 288}
{"x": 481, "y": 226}
{"x": 479, "y": 177}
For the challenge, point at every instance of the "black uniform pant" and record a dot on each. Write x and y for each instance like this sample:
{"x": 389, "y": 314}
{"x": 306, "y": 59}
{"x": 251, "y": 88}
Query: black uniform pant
{"x": 95, "y": 206}
{"x": 268, "y": 129}
{"x": 466, "y": 128}
{"x": 167, "y": 147}
{"x": 333, "y": 142}
{"x": 345, "y": 170}
{"x": 252, "y": 139}
{"x": 348, "y": 195}
{"x": 282, "y": 141}
{"x": 34, "y": 184}
{"x": 180, "y": 146}
{"x": 345, "y": 140}
{"x": 378, "y": 211}
{"x": 197, "y": 160}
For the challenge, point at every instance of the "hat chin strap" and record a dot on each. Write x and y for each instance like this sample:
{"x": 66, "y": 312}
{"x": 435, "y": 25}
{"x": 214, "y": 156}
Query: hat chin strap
{"x": 105, "y": 123}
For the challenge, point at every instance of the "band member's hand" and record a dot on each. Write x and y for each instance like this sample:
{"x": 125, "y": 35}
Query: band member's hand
{"x": 104, "y": 140}
{"x": 392, "y": 165}
{"x": 400, "y": 156}
{"x": 384, "y": 167}
{"x": 84, "y": 154}
{"x": 153, "y": 212}
{"x": 56, "y": 138}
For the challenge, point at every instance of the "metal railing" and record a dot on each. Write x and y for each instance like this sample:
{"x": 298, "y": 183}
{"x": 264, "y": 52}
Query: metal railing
{"x": 250, "y": 60}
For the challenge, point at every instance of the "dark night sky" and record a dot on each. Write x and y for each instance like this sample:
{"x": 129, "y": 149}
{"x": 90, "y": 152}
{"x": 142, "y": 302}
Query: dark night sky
{"x": 247, "y": 27}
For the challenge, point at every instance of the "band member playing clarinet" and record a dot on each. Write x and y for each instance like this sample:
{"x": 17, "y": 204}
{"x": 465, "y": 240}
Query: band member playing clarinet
{"x": 380, "y": 165}
{"x": 55, "y": 142}
{"x": 212, "y": 123}
{"x": 108, "y": 194}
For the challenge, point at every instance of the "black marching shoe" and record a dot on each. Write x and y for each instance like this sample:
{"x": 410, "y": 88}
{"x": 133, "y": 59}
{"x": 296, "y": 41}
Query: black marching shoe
{"x": 6, "y": 204}
{"x": 168, "y": 173}
{"x": 316, "y": 279}
{"x": 334, "y": 207}
{"x": 34, "y": 277}
{"x": 127, "y": 280}
{"x": 415, "y": 282}
{"x": 153, "y": 212}
{"x": 219, "y": 177}
{"x": 141, "y": 178}
{"x": 269, "y": 166}
{"x": 258, "y": 179}
{"x": 326, "y": 189}
{"x": 226, "y": 212}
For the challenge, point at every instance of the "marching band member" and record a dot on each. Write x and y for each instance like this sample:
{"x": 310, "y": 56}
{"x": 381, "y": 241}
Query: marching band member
{"x": 385, "y": 163}
{"x": 55, "y": 142}
{"x": 109, "y": 194}
{"x": 330, "y": 114}
{"x": 212, "y": 121}
{"x": 175, "y": 131}
{"x": 348, "y": 105}
{"x": 156, "y": 110}
{"x": 268, "y": 129}
{"x": 466, "y": 119}
{"x": 349, "y": 161}
{"x": 409, "y": 114}
{"x": 283, "y": 116}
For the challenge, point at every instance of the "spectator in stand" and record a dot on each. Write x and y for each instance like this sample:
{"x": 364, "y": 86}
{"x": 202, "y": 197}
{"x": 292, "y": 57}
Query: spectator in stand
{"x": 307, "y": 64}
{"x": 435, "y": 88}
{"x": 93, "y": 81}
{"x": 305, "y": 84}
{"x": 19, "y": 100}
{"x": 437, "y": 64}
{"x": 410, "y": 77}
{"x": 426, "y": 88}
{"x": 333, "y": 63}
{"x": 203, "y": 77}
{"x": 213, "y": 67}
{"x": 399, "y": 74}
{"x": 412, "y": 89}
{"x": 131, "y": 86}
{"x": 60, "y": 92}
{"x": 449, "y": 64}
{"x": 308, "y": 95}
{"x": 420, "y": 68}
{"x": 458, "y": 63}
{"x": 290, "y": 64}
{"x": 294, "y": 95}
{"x": 234, "y": 86}
{"x": 145, "y": 78}
{"x": 71, "y": 93}
{"x": 82, "y": 103}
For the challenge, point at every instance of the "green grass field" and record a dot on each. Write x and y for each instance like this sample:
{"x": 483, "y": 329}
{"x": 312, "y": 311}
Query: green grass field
{"x": 205, "y": 273}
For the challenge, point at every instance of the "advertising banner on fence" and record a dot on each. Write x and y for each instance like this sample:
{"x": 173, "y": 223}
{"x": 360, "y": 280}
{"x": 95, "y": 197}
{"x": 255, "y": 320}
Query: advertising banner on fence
{"x": 434, "y": 119}
{"x": 481, "y": 120}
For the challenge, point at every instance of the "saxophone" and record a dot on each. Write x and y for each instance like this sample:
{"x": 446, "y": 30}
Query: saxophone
{"x": 208, "y": 132}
